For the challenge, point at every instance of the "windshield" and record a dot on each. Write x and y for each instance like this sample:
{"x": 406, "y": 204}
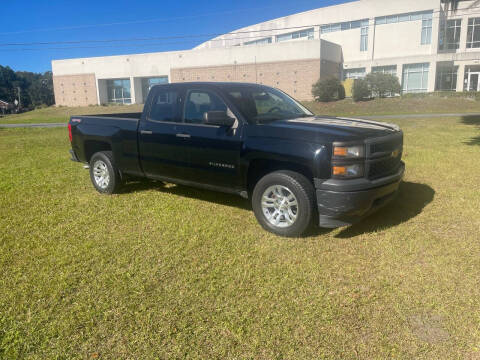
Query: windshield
{"x": 259, "y": 104}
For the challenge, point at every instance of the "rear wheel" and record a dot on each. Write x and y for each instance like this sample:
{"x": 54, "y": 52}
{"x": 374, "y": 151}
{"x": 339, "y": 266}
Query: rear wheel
{"x": 104, "y": 174}
{"x": 283, "y": 203}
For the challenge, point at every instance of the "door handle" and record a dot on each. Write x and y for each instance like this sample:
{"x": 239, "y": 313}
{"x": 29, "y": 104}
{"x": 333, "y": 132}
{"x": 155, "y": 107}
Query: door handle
{"x": 146, "y": 132}
{"x": 185, "y": 136}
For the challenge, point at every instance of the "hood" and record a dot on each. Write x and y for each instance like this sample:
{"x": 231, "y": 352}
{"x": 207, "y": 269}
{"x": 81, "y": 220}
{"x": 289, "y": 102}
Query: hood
{"x": 326, "y": 129}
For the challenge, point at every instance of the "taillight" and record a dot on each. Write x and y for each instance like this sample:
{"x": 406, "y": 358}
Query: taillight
{"x": 70, "y": 132}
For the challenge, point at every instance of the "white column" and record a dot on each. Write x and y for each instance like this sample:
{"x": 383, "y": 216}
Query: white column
{"x": 432, "y": 76}
{"x": 460, "y": 76}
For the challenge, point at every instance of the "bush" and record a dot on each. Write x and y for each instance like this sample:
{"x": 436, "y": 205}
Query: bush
{"x": 328, "y": 90}
{"x": 383, "y": 85}
{"x": 361, "y": 90}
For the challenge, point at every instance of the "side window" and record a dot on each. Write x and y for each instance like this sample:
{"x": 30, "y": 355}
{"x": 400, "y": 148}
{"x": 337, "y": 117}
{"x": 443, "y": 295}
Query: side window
{"x": 165, "y": 106}
{"x": 199, "y": 102}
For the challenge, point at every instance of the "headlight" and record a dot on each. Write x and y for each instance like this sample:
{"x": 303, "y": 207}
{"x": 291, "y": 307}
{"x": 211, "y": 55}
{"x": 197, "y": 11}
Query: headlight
{"x": 356, "y": 151}
{"x": 347, "y": 171}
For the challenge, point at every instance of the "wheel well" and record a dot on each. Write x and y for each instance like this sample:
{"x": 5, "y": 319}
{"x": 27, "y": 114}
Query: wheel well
{"x": 260, "y": 167}
{"x": 93, "y": 146}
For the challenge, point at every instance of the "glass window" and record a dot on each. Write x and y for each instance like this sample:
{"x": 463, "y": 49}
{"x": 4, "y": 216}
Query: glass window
{"x": 344, "y": 26}
{"x": 364, "y": 38}
{"x": 415, "y": 77}
{"x": 473, "y": 34}
{"x": 389, "y": 69}
{"x": 308, "y": 33}
{"x": 426, "y": 31}
{"x": 354, "y": 73}
{"x": 424, "y": 15}
{"x": 449, "y": 38}
{"x": 165, "y": 106}
{"x": 148, "y": 83}
{"x": 259, "y": 41}
{"x": 446, "y": 78}
{"x": 118, "y": 91}
{"x": 199, "y": 102}
{"x": 261, "y": 105}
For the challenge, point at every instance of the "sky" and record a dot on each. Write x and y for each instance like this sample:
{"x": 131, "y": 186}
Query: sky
{"x": 33, "y": 21}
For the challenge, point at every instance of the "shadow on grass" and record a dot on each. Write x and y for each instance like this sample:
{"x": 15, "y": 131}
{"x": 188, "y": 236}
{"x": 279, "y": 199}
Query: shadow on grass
{"x": 189, "y": 192}
{"x": 409, "y": 202}
{"x": 472, "y": 120}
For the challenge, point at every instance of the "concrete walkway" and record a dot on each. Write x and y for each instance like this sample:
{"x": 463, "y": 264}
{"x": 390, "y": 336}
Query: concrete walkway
{"x": 373, "y": 117}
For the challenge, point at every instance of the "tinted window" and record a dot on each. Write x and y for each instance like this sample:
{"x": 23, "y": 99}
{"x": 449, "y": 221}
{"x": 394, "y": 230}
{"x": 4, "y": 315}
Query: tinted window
{"x": 199, "y": 102}
{"x": 264, "y": 104}
{"x": 165, "y": 106}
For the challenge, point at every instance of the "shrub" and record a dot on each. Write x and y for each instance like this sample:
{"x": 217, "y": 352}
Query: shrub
{"x": 328, "y": 90}
{"x": 383, "y": 85}
{"x": 361, "y": 90}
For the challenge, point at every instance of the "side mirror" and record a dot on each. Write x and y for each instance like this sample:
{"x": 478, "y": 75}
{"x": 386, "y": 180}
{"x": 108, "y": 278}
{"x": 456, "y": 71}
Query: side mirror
{"x": 219, "y": 118}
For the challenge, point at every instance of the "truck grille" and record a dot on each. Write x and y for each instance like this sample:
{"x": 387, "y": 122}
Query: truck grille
{"x": 384, "y": 167}
{"x": 384, "y": 156}
{"x": 387, "y": 146}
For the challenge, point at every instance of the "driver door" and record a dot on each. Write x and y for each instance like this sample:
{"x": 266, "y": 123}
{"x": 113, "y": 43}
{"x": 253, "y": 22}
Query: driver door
{"x": 214, "y": 150}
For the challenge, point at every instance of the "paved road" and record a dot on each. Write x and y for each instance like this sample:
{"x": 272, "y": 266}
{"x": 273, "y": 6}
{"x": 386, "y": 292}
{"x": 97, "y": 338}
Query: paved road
{"x": 375, "y": 117}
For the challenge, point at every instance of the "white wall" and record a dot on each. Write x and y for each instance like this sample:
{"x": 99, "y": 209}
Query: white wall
{"x": 158, "y": 64}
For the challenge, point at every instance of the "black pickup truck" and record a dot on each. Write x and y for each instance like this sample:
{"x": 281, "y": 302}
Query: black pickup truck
{"x": 250, "y": 140}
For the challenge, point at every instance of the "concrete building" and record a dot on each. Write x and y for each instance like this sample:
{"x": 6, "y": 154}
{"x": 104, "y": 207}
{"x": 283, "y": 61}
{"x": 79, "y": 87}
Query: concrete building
{"x": 425, "y": 43}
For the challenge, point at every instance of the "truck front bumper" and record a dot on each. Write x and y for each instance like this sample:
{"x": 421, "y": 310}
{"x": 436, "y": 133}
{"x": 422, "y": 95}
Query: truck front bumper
{"x": 345, "y": 202}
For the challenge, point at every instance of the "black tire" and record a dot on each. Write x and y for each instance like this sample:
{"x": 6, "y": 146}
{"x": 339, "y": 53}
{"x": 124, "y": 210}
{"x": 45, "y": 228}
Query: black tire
{"x": 114, "y": 181}
{"x": 304, "y": 193}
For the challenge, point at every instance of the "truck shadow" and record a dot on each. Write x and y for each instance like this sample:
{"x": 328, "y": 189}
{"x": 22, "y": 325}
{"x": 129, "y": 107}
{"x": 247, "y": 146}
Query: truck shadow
{"x": 472, "y": 120}
{"x": 189, "y": 192}
{"x": 409, "y": 202}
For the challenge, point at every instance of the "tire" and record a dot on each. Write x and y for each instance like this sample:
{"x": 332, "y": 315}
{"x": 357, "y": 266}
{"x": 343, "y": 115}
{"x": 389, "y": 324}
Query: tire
{"x": 103, "y": 167}
{"x": 272, "y": 195}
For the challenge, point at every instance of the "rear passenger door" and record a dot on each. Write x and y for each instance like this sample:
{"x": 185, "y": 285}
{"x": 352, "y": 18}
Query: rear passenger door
{"x": 162, "y": 152}
{"x": 214, "y": 150}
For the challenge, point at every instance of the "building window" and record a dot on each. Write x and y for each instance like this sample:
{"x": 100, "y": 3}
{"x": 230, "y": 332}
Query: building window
{"x": 427, "y": 30}
{"x": 415, "y": 77}
{"x": 356, "y": 73}
{"x": 446, "y": 78}
{"x": 307, "y": 33}
{"x": 259, "y": 41}
{"x": 147, "y": 84}
{"x": 391, "y": 19}
{"x": 389, "y": 69}
{"x": 364, "y": 38}
{"x": 344, "y": 26}
{"x": 473, "y": 34}
{"x": 119, "y": 91}
{"x": 450, "y": 34}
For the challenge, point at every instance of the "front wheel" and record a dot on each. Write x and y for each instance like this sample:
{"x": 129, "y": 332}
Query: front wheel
{"x": 284, "y": 203}
{"x": 103, "y": 173}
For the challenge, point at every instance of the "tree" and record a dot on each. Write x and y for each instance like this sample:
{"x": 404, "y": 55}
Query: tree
{"x": 382, "y": 85}
{"x": 328, "y": 90}
{"x": 361, "y": 90}
{"x": 35, "y": 89}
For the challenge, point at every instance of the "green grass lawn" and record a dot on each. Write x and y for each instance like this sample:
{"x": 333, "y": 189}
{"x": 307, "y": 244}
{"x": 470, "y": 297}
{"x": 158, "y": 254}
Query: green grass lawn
{"x": 171, "y": 272}
{"x": 401, "y": 105}
{"x": 60, "y": 114}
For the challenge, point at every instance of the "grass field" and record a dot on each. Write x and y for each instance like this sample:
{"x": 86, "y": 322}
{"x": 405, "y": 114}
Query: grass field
{"x": 62, "y": 114}
{"x": 164, "y": 271}
{"x": 388, "y": 106}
